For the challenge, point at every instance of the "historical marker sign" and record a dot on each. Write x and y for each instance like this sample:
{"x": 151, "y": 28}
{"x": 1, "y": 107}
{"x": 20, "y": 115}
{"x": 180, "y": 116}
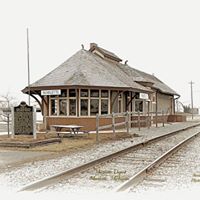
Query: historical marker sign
{"x": 23, "y": 120}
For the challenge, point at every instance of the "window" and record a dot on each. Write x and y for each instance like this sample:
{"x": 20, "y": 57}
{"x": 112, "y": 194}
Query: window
{"x": 94, "y": 102}
{"x": 72, "y": 93}
{"x": 104, "y": 93}
{"x": 104, "y": 106}
{"x": 84, "y": 107}
{"x": 72, "y": 107}
{"x": 63, "y": 93}
{"x": 84, "y": 101}
{"x": 104, "y": 101}
{"x": 64, "y": 104}
{"x": 91, "y": 102}
{"x": 139, "y": 106}
{"x": 84, "y": 93}
{"x": 72, "y": 102}
{"x": 94, "y": 107}
{"x": 63, "y": 107}
{"x": 94, "y": 93}
{"x": 54, "y": 108}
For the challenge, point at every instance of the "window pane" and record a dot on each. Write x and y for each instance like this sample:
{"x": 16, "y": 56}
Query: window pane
{"x": 104, "y": 93}
{"x": 84, "y": 93}
{"x": 104, "y": 106}
{"x": 72, "y": 107}
{"x": 63, "y": 93}
{"x": 94, "y": 106}
{"x": 72, "y": 93}
{"x": 63, "y": 107}
{"x": 53, "y": 107}
{"x": 139, "y": 106}
{"x": 94, "y": 93}
{"x": 137, "y": 96}
{"x": 84, "y": 107}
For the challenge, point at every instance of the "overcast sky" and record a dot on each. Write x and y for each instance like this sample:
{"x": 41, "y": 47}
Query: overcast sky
{"x": 158, "y": 37}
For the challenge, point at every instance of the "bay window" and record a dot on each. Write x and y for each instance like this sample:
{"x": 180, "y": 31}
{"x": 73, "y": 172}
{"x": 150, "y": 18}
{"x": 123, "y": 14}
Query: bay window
{"x": 91, "y": 102}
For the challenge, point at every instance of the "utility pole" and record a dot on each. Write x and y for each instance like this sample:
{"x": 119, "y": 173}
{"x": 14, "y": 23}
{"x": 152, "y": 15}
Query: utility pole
{"x": 191, "y": 87}
{"x": 29, "y": 92}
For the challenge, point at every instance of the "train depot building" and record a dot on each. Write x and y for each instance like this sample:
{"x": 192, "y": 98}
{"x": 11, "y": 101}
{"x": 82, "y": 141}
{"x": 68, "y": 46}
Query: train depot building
{"x": 96, "y": 81}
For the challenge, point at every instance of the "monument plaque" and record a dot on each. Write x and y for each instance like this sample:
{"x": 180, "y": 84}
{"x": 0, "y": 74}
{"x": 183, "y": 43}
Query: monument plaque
{"x": 23, "y": 119}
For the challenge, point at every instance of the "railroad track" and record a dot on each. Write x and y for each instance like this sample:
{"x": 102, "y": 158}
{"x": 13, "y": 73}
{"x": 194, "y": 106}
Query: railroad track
{"x": 180, "y": 171}
{"x": 110, "y": 171}
{"x": 142, "y": 174}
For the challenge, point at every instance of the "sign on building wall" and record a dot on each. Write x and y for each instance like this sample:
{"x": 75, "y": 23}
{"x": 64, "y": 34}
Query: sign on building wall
{"x": 50, "y": 92}
{"x": 24, "y": 120}
{"x": 144, "y": 96}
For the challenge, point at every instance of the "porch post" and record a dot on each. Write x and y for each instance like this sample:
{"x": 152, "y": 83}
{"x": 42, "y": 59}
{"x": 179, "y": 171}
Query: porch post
{"x": 156, "y": 109}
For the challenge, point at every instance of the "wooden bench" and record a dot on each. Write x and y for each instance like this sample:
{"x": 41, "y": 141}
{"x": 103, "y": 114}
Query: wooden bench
{"x": 74, "y": 129}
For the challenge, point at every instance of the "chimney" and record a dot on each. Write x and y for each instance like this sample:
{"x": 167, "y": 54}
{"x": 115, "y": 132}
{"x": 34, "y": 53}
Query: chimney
{"x": 93, "y": 45}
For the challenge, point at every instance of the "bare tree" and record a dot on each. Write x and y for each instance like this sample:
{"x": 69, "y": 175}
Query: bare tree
{"x": 187, "y": 109}
{"x": 6, "y": 102}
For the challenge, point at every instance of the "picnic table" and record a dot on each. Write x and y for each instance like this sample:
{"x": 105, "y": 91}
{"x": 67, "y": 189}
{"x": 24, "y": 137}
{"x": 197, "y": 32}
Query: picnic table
{"x": 74, "y": 129}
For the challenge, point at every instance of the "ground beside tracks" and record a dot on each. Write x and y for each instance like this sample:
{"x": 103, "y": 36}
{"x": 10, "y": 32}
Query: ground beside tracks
{"x": 14, "y": 155}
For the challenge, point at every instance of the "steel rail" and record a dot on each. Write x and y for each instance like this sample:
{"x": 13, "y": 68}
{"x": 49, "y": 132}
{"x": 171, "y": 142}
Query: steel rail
{"x": 38, "y": 184}
{"x": 138, "y": 177}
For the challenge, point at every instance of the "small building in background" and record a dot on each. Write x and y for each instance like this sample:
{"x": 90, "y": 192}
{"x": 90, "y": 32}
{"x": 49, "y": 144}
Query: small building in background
{"x": 96, "y": 81}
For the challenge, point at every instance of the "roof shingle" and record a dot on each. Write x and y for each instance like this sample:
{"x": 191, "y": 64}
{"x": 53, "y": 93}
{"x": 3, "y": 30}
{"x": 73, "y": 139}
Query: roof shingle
{"x": 85, "y": 68}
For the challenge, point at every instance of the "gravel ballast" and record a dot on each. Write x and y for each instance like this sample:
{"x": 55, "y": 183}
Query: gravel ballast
{"x": 14, "y": 179}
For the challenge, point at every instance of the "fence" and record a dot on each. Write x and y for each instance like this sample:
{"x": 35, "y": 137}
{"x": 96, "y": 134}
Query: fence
{"x": 138, "y": 118}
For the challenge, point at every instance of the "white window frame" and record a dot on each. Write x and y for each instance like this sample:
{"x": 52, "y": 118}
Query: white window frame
{"x": 89, "y": 100}
{"x": 50, "y": 106}
{"x": 67, "y": 98}
{"x": 78, "y": 99}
